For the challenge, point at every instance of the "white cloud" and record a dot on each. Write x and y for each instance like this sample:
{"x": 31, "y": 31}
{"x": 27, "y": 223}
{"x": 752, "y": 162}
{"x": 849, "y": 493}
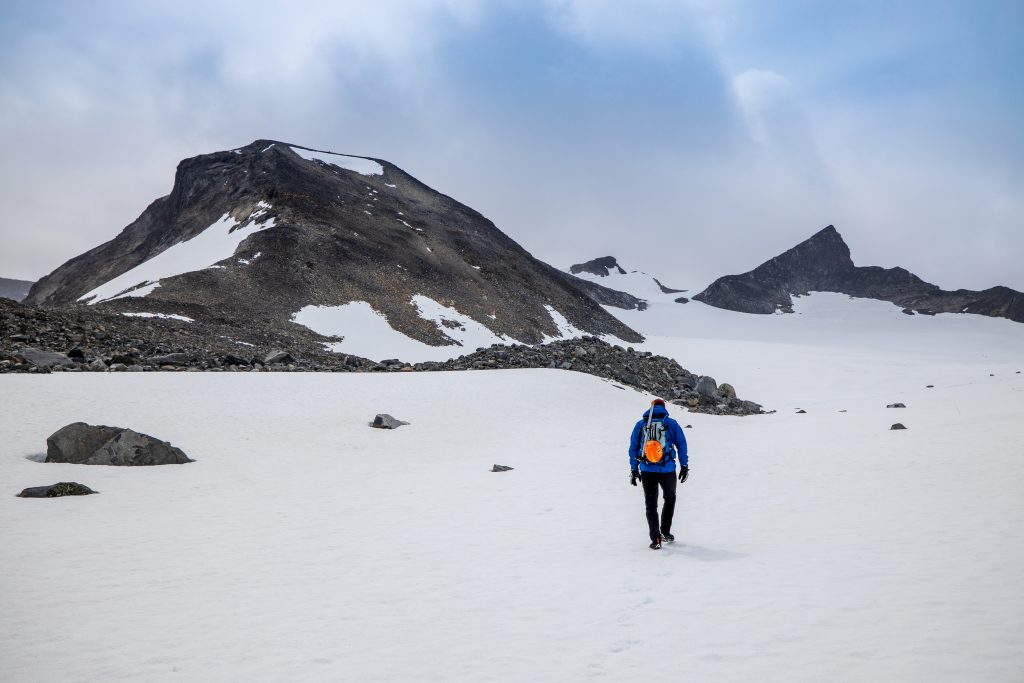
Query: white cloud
{"x": 763, "y": 95}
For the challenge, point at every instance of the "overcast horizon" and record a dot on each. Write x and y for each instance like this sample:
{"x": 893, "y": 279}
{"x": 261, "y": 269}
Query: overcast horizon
{"x": 689, "y": 139}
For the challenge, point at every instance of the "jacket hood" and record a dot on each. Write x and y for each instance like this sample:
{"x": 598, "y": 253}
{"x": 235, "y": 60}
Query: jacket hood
{"x": 659, "y": 411}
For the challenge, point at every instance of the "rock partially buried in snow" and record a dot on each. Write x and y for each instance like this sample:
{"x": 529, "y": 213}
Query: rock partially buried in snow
{"x": 64, "y": 488}
{"x": 898, "y": 425}
{"x": 84, "y": 444}
{"x": 801, "y": 412}
{"x": 385, "y": 421}
{"x": 896, "y": 405}
{"x": 501, "y": 468}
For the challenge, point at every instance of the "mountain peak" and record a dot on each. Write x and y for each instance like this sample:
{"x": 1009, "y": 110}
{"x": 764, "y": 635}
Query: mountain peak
{"x": 822, "y": 263}
{"x": 253, "y": 235}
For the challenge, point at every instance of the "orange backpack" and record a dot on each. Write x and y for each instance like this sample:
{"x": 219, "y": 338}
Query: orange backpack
{"x": 655, "y": 443}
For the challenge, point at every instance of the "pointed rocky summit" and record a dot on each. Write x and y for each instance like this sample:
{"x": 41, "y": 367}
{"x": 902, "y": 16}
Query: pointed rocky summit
{"x": 823, "y": 264}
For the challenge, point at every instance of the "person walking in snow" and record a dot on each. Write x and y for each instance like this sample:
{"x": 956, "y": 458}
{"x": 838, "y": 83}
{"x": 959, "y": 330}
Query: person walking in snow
{"x": 656, "y": 442}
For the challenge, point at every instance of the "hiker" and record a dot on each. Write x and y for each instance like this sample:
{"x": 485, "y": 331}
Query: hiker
{"x": 656, "y": 441}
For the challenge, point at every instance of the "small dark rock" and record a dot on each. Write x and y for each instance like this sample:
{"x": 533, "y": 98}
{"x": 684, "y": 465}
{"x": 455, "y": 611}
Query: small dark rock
{"x": 501, "y": 468}
{"x": 801, "y": 412}
{"x": 930, "y": 386}
{"x": 682, "y": 300}
{"x": 178, "y": 359}
{"x": 896, "y": 405}
{"x": 64, "y": 488}
{"x": 385, "y": 421}
{"x": 898, "y": 425}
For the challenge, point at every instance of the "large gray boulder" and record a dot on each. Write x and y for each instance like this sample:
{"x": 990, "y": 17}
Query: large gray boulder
{"x": 85, "y": 444}
{"x": 43, "y": 359}
{"x": 706, "y": 386}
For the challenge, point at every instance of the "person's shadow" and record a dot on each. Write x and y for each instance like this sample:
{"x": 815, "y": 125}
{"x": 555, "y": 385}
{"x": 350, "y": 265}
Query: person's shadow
{"x": 701, "y": 553}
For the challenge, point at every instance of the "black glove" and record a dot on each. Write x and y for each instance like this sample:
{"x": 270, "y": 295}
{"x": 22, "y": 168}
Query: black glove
{"x": 684, "y": 472}
{"x": 634, "y": 477}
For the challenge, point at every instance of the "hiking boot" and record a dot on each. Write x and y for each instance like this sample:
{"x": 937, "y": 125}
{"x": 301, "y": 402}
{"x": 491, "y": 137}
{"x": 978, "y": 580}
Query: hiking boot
{"x": 656, "y": 544}
{"x": 667, "y": 536}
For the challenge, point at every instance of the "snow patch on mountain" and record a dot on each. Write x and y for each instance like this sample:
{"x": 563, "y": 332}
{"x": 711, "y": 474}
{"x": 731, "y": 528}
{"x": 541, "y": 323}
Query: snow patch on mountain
{"x": 349, "y": 163}
{"x": 367, "y": 333}
{"x": 168, "y": 316}
{"x": 214, "y": 244}
{"x": 635, "y": 282}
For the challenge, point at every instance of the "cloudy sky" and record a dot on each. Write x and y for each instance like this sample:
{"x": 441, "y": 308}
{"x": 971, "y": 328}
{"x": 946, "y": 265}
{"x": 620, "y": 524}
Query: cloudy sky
{"x": 689, "y": 138}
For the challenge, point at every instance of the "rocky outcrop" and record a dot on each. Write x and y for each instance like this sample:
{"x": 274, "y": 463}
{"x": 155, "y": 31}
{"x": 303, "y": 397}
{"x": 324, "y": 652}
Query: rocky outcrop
{"x": 83, "y": 444}
{"x": 667, "y": 290}
{"x": 642, "y": 370}
{"x": 16, "y": 290}
{"x": 602, "y": 267}
{"x": 326, "y": 230}
{"x": 105, "y": 342}
{"x": 823, "y": 264}
{"x": 64, "y": 488}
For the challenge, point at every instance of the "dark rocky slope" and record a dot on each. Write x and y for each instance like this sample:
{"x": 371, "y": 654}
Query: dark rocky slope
{"x": 16, "y": 290}
{"x": 823, "y": 264}
{"x": 338, "y": 236}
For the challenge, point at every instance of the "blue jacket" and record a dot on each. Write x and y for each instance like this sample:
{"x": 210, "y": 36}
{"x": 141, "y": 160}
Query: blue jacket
{"x": 674, "y": 437}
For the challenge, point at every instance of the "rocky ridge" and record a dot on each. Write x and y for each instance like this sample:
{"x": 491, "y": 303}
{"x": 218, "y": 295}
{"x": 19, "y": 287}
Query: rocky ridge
{"x": 823, "y": 263}
{"x": 84, "y": 340}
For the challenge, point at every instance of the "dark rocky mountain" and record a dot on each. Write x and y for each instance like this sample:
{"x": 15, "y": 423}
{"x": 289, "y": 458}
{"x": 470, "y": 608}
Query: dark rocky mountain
{"x": 291, "y": 227}
{"x": 823, "y": 264}
{"x": 14, "y": 289}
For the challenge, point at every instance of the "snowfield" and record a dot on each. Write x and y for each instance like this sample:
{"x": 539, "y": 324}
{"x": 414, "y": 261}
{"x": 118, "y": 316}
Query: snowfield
{"x": 303, "y": 545}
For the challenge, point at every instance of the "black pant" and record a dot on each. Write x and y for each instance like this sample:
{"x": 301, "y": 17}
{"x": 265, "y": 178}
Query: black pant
{"x": 651, "y": 482}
